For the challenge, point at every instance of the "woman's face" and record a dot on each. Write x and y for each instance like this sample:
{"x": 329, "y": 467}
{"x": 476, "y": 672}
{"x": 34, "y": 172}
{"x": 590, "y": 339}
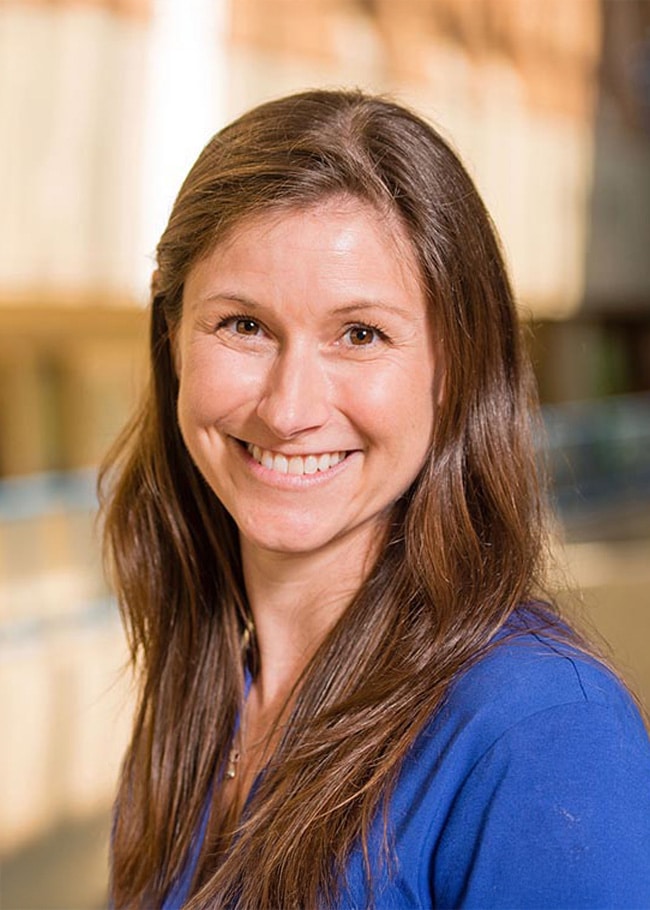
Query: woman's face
{"x": 307, "y": 375}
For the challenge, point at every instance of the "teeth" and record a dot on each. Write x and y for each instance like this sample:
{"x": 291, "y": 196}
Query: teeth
{"x": 280, "y": 464}
{"x": 296, "y": 464}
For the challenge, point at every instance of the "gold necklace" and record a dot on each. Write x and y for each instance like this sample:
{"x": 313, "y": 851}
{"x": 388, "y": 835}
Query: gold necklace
{"x": 235, "y": 751}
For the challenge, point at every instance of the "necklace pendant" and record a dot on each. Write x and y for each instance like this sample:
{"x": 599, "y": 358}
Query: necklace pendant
{"x": 231, "y": 767}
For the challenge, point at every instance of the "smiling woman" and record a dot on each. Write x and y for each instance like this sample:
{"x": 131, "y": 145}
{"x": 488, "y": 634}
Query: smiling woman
{"x": 338, "y": 409}
{"x": 326, "y": 532}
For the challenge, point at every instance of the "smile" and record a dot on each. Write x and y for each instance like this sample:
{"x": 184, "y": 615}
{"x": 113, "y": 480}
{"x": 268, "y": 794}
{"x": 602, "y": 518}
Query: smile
{"x": 295, "y": 464}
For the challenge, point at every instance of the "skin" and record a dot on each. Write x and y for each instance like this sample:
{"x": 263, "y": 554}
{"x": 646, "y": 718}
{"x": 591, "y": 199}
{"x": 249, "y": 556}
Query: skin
{"x": 305, "y": 333}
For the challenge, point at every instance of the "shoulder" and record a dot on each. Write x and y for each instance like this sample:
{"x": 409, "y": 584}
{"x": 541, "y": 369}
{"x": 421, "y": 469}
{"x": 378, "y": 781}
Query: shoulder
{"x": 528, "y": 670}
{"x": 536, "y": 699}
{"x": 542, "y": 757}
{"x": 538, "y": 761}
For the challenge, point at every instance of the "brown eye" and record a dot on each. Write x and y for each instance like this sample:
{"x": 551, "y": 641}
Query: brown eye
{"x": 361, "y": 335}
{"x": 246, "y": 327}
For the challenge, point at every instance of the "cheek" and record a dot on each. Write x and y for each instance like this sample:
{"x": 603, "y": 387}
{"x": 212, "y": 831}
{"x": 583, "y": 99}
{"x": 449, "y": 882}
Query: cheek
{"x": 195, "y": 404}
{"x": 197, "y": 389}
{"x": 397, "y": 405}
{"x": 213, "y": 385}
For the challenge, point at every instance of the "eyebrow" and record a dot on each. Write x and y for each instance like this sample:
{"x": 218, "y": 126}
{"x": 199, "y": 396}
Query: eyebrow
{"x": 373, "y": 305}
{"x": 226, "y": 296}
{"x": 354, "y": 307}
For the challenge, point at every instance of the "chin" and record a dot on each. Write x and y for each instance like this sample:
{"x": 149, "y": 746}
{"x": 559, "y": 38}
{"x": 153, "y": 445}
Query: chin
{"x": 291, "y": 544}
{"x": 301, "y": 538}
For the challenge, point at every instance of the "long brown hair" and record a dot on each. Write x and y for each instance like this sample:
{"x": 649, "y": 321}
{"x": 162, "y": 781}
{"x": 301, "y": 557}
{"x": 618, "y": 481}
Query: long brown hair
{"x": 463, "y": 548}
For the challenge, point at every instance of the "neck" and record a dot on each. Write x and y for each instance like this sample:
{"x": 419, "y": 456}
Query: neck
{"x": 295, "y": 600}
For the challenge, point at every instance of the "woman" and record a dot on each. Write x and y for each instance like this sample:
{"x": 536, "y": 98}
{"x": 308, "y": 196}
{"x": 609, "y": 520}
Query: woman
{"x": 326, "y": 532}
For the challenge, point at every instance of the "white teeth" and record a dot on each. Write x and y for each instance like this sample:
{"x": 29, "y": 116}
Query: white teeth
{"x": 296, "y": 464}
{"x": 311, "y": 464}
{"x": 281, "y": 464}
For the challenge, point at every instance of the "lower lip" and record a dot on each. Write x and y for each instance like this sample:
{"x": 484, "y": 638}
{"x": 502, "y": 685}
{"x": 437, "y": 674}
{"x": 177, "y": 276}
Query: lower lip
{"x": 293, "y": 481}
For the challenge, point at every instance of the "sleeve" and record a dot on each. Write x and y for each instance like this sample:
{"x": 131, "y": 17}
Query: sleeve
{"x": 555, "y": 814}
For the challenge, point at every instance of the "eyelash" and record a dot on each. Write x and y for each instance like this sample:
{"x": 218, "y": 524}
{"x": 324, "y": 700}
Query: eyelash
{"x": 234, "y": 318}
{"x": 243, "y": 317}
{"x": 370, "y": 326}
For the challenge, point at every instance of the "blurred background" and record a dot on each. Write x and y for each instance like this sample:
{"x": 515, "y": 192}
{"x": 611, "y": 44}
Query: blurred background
{"x": 104, "y": 104}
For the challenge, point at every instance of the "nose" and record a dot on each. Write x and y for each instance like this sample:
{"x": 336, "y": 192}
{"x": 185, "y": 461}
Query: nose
{"x": 296, "y": 395}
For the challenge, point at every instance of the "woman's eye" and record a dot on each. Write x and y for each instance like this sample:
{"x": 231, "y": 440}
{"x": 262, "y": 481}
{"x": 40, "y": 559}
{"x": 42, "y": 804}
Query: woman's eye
{"x": 239, "y": 325}
{"x": 362, "y": 335}
{"x": 246, "y": 327}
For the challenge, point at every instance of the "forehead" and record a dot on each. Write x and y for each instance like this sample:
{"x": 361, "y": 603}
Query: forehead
{"x": 340, "y": 230}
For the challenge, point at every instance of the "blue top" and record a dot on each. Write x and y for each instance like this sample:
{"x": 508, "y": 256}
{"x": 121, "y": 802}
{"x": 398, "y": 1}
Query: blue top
{"x": 529, "y": 788}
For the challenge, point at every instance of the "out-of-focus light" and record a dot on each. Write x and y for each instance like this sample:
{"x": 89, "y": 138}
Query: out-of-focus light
{"x": 186, "y": 104}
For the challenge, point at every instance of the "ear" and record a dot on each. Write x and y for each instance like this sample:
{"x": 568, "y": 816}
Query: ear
{"x": 439, "y": 383}
{"x": 440, "y": 373}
